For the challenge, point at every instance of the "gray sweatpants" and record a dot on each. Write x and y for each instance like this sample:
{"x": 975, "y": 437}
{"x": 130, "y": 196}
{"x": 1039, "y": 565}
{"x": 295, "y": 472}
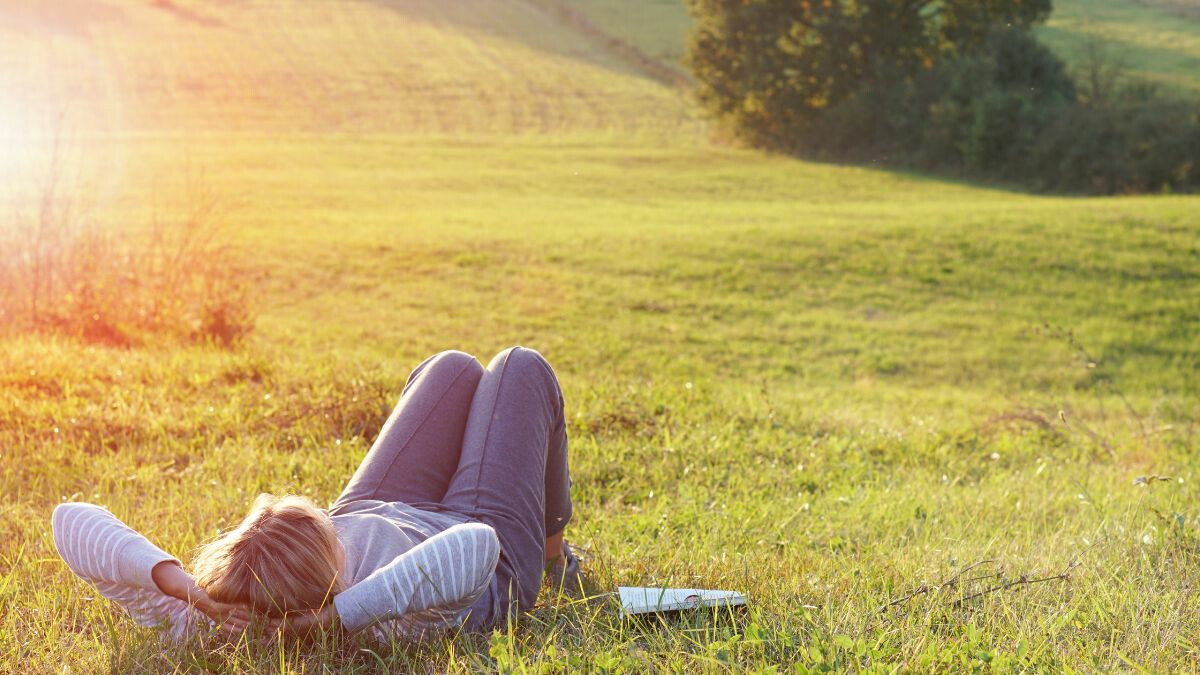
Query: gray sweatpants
{"x": 487, "y": 444}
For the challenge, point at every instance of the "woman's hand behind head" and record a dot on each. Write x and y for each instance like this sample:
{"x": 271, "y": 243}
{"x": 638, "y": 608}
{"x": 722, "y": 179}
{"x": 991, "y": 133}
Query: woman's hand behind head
{"x": 244, "y": 623}
{"x": 174, "y": 581}
{"x": 239, "y": 622}
{"x": 302, "y": 624}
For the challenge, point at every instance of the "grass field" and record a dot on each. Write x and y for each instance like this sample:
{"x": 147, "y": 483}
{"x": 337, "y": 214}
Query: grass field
{"x": 826, "y": 386}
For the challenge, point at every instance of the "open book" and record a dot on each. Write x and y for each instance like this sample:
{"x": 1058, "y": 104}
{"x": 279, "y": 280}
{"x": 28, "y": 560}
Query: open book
{"x": 641, "y": 600}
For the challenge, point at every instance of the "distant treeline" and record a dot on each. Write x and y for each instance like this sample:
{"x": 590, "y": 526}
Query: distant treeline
{"x": 957, "y": 86}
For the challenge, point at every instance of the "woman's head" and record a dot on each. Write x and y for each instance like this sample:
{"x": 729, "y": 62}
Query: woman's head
{"x": 284, "y": 556}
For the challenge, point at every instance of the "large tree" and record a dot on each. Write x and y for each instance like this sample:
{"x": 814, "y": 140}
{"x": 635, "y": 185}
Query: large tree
{"x": 768, "y": 67}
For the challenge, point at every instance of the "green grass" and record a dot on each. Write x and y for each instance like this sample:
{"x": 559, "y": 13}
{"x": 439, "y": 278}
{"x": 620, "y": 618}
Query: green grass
{"x": 657, "y": 27}
{"x": 1152, "y": 40}
{"x": 824, "y": 386}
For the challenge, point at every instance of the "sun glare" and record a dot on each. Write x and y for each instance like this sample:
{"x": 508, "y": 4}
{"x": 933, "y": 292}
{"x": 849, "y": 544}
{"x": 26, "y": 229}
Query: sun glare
{"x": 24, "y": 141}
{"x": 40, "y": 141}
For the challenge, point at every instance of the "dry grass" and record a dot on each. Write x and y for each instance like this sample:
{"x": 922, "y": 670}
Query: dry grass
{"x": 63, "y": 271}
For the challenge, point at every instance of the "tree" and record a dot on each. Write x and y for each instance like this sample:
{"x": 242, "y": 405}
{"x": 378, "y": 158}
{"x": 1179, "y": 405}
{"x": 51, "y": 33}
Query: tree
{"x": 769, "y": 67}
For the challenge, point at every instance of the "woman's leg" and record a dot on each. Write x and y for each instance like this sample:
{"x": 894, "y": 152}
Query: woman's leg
{"x": 417, "y": 451}
{"x": 513, "y": 475}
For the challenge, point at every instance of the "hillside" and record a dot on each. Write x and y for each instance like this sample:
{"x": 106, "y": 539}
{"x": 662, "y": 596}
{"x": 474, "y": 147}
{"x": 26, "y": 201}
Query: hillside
{"x": 417, "y": 66}
{"x": 1154, "y": 40}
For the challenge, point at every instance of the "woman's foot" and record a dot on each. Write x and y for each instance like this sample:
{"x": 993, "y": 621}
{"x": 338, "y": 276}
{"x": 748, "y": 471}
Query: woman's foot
{"x": 563, "y": 572}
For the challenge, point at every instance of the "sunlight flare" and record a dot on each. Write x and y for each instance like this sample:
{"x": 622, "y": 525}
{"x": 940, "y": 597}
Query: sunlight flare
{"x": 22, "y": 139}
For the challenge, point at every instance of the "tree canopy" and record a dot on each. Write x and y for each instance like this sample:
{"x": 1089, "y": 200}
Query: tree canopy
{"x": 768, "y": 66}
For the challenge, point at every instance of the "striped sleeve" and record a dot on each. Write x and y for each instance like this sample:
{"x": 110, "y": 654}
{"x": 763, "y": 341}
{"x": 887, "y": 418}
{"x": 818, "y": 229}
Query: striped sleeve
{"x": 441, "y": 576}
{"x": 118, "y": 562}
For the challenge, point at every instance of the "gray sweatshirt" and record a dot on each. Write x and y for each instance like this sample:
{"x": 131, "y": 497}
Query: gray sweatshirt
{"x": 408, "y": 571}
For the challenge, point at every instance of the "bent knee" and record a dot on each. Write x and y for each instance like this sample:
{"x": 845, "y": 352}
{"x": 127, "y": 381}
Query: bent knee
{"x": 452, "y": 359}
{"x": 526, "y": 360}
{"x": 447, "y": 365}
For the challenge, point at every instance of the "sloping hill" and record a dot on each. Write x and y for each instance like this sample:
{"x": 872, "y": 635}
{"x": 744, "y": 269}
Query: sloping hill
{"x": 492, "y": 66}
{"x": 1155, "y": 40}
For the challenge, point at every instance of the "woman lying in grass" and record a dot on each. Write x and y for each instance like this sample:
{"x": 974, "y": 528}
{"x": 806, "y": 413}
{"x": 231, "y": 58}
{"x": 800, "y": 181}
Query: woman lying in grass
{"x": 449, "y": 522}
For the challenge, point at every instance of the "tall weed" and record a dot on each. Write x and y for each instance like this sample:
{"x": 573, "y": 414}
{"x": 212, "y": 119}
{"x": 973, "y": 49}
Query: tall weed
{"x": 64, "y": 271}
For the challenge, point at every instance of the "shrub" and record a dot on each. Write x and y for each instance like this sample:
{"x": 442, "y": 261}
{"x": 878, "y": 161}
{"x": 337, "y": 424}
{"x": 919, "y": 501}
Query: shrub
{"x": 995, "y": 103}
{"x": 1140, "y": 142}
{"x": 962, "y": 93}
{"x": 981, "y": 113}
{"x": 771, "y": 68}
{"x": 62, "y": 271}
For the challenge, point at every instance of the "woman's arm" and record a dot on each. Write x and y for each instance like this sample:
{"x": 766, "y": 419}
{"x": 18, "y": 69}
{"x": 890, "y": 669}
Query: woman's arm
{"x": 125, "y": 567}
{"x": 439, "y": 577}
{"x": 172, "y": 580}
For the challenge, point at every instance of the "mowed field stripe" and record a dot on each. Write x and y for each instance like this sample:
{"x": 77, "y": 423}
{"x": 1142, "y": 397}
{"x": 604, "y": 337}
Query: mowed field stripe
{"x": 477, "y": 66}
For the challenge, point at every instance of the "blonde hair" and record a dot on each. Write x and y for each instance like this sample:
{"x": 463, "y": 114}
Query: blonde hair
{"x": 284, "y": 556}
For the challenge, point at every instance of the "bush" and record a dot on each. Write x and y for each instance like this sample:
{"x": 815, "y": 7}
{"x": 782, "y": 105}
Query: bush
{"x": 61, "y": 271}
{"x": 770, "y": 69}
{"x": 980, "y": 113}
{"x": 996, "y": 103}
{"x": 1010, "y": 112}
{"x": 1137, "y": 142}
{"x": 986, "y": 101}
